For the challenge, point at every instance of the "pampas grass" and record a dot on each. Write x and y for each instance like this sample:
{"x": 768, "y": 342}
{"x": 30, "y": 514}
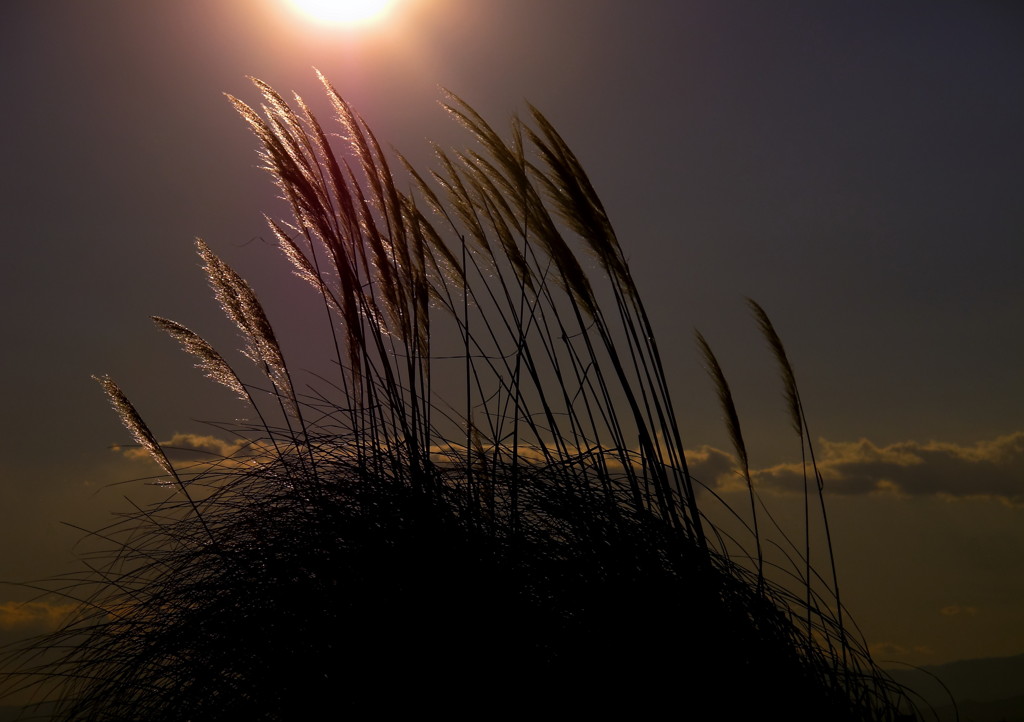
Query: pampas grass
{"x": 522, "y": 537}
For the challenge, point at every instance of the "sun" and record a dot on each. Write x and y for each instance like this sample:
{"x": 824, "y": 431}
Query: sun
{"x": 344, "y": 11}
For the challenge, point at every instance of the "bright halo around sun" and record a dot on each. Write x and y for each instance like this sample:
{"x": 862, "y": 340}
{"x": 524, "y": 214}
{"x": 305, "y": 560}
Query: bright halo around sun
{"x": 344, "y": 11}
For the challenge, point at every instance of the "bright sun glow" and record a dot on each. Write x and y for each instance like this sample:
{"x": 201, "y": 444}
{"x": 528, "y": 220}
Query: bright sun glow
{"x": 344, "y": 11}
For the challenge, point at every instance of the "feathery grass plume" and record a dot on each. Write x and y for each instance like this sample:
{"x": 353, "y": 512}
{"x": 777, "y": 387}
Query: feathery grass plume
{"x": 521, "y": 534}
{"x": 732, "y": 424}
{"x": 789, "y": 386}
{"x": 241, "y": 305}
{"x": 144, "y": 437}
{"x": 577, "y": 202}
{"x": 799, "y": 422}
{"x": 210, "y": 360}
{"x": 506, "y": 168}
{"x": 134, "y": 423}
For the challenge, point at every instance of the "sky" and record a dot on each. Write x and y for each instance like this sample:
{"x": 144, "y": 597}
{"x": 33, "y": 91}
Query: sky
{"x": 855, "y": 167}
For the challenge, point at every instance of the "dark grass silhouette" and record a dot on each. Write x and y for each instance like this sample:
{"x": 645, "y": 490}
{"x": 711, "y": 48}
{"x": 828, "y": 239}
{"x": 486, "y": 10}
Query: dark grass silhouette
{"x": 525, "y": 538}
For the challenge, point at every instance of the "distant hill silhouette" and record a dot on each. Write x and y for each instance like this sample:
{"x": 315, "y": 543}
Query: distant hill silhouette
{"x": 985, "y": 690}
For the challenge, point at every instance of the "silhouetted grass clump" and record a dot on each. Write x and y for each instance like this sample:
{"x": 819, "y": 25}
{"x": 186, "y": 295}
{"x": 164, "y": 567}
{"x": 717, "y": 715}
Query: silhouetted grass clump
{"x": 522, "y": 536}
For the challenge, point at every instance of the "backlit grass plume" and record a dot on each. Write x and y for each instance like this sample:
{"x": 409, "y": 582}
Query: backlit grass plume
{"x": 483, "y": 509}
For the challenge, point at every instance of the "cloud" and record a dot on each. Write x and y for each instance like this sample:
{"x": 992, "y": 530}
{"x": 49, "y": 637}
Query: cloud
{"x": 883, "y": 651}
{"x": 204, "y": 444}
{"x": 196, "y": 454}
{"x": 33, "y": 617}
{"x": 955, "y": 610}
{"x": 991, "y": 469}
{"x": 988, "y": 469}
{"x": 715, "y": 468}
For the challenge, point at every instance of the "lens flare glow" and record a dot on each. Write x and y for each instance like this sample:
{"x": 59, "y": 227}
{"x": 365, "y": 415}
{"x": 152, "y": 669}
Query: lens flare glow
{"x": 344, "y": 11}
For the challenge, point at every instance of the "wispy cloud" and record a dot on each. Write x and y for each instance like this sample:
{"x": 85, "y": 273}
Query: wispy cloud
{"x": 203, "y": 444}
{"x": 196, "y": 454}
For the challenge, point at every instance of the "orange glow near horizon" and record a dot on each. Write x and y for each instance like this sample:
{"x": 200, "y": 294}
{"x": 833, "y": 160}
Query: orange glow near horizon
{"x": 344, "y": 11}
